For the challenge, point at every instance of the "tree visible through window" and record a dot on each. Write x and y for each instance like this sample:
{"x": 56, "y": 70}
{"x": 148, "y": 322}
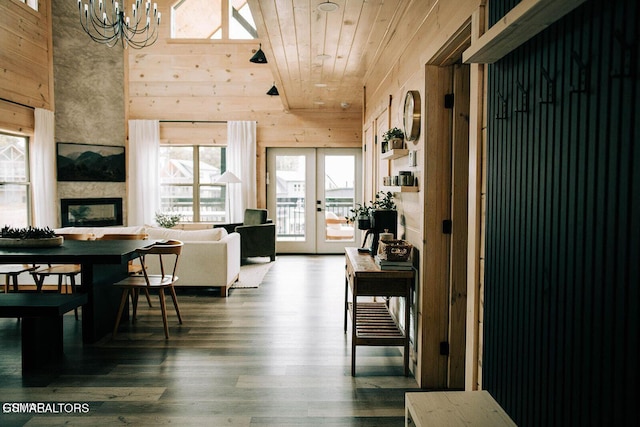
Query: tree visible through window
{"x": 212, "y": 19}
{"x": 15, "y": 190}
{"x": 187, "y": 182}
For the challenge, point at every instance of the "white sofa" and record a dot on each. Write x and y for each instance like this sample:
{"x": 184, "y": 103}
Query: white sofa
{"x": 210, "y": 257}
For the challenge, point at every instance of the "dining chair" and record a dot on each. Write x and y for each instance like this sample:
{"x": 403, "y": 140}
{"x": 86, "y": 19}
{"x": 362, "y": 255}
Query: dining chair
{"x": 169, "y": 251}
{"x": 62, "y": 271}
{"x": 11, "y": 273}
{"x": 133, "y": 268}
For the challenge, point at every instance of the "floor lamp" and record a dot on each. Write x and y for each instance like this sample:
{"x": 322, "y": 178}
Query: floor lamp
{"x": 228, "y": 178}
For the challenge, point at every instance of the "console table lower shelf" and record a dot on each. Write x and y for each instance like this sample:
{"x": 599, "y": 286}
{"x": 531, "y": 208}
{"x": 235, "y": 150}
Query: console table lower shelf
{"x": 376, "y": 326}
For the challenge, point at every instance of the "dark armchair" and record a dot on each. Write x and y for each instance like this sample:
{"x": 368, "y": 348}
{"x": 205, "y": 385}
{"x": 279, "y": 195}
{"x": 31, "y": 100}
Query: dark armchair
{"x": 257, "y": 234}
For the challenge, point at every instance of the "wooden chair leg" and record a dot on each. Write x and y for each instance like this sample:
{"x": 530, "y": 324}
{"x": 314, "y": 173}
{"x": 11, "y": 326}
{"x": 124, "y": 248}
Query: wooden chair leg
{"x": 175, "y": 303}
{"x": 146, "y": 293}
{"x": 123, "y": 301}
{"x": 39, "y": 279}
{"x": 163, "y": 307}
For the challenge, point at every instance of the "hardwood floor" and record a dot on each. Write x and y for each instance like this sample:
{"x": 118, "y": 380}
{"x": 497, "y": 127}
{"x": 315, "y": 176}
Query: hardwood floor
{"x": 272, "y": 356}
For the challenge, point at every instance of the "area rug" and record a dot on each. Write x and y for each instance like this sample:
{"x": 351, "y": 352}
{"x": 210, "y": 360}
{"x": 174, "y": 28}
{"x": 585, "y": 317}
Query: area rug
{"x": 252, "y": 274}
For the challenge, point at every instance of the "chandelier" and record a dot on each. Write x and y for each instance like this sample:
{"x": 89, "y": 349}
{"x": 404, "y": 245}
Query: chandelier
{"x": 106, "y": 23}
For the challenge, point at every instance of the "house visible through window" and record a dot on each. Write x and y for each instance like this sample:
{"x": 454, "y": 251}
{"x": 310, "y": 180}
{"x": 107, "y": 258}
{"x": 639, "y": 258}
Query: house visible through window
{"x": 187, "y": 182}
{"x": 214, "y": 19}
{"x": 15, "y": 189}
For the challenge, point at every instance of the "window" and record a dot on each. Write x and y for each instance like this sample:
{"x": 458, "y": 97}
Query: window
{"x": 214, "y": 20}
{"x": 15, "y": 190}
{"x": 33, "y": 4}
{"x": 187, "y": 182}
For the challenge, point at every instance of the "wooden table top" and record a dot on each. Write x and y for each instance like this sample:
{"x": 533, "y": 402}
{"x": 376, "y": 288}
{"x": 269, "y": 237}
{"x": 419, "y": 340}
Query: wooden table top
{"x": 364, "y": 265}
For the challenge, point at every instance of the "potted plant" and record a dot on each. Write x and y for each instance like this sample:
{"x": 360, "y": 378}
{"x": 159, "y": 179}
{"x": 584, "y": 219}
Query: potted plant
{"x": 384, "y": 201}
{"x": 167, "y": 220}
{"x": 360, "y": 215}
{"x": 394, "y": 138}
{"x": 384, "y": 215}
{"x": 29, "y": 237}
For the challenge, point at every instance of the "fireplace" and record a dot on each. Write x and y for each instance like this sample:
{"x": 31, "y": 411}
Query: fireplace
{"x": 91, "y": 212}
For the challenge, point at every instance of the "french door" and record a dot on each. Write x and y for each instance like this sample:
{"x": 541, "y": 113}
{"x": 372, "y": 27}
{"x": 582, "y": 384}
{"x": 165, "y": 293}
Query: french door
{"x": 311, "y": 191}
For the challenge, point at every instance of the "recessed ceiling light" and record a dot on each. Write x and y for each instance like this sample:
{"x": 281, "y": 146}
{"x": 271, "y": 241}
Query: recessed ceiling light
{"x": 321, "y": 85}
{"x": 323, "y": 56}
{"x": 328, "y": 6}
{"x": 318, "y": 102}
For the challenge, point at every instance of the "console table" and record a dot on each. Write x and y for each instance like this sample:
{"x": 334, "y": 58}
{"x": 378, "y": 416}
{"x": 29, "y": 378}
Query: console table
{"x": 371, "y": 322}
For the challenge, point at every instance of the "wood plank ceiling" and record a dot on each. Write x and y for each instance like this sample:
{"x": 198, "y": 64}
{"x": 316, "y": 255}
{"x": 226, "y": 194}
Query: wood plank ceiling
{"x": 295, "y": 33}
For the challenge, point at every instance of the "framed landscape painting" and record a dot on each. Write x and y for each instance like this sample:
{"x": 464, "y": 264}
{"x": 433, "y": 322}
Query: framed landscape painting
{"x": 85, "y": 162}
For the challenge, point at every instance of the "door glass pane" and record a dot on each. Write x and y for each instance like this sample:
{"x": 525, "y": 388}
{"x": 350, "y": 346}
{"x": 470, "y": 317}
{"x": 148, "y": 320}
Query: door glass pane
{"x": 290, "y": 198}
{"x": 339, "y": 193}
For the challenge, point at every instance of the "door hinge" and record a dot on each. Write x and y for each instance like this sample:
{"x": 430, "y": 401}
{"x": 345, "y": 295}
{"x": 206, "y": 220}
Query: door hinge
{"x": 447, "y": 225}
{"x": 448, "y": 100}
{"x": 444, "y": 348}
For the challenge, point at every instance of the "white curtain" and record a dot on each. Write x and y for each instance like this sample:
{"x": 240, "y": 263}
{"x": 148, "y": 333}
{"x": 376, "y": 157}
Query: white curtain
{"x": 43, "y": 174}
{"x": 241, "y": 161}
{"x": 143, "y": 199}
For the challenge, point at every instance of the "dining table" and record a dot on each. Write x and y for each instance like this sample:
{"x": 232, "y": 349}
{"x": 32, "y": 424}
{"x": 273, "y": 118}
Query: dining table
{"x": 103, "y": 263}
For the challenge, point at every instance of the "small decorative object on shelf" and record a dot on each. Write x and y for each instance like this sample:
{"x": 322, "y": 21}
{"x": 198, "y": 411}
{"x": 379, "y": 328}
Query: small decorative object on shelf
{"x": 392, "y": 139}
{"x": 394, "y": 250}
{"x": 167, "y": 220}
{"x": 29, "y": 237}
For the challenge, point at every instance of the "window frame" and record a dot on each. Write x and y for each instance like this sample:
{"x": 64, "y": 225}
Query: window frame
{"x": 196, "y": 185}
{"x": 225, "y": 27}
{"x": 27, "y": 182}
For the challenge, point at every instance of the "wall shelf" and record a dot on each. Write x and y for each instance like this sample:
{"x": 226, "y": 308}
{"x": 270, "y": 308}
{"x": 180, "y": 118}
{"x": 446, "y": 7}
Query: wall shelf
{"x": 394, "y": 154}
{"x": 402, "y": 188}
{"x": 524, "y": 21}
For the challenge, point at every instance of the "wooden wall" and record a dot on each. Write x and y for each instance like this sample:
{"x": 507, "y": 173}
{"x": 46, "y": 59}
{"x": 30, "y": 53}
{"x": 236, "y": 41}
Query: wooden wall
{"x": 25, "y": 62}
{"x": 562, "y": 245}
{"x": 202, "y": 82}
{"x": 430, "y": 35}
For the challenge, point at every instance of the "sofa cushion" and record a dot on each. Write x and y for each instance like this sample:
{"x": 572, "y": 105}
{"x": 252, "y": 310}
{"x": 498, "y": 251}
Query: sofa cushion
{"x": 211, "y": 234}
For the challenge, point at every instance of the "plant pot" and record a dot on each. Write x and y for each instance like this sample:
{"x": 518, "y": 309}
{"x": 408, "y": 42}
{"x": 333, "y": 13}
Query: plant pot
{"x": 364, "y": 223}
{"x": 48, "y": 242}
{"x": 396, "y": 143}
